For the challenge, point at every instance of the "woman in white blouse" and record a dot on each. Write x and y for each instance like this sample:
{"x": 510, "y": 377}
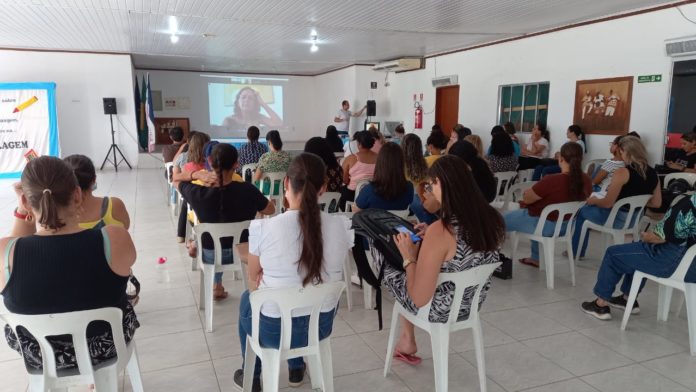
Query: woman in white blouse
{"x": 536, "y": 148}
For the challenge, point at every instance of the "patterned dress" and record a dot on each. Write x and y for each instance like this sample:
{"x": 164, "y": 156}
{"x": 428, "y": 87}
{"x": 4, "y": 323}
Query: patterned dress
{"x": 464, "y": 259}
{"x": 502, "y": 164}
{"x": 251, "y": 153}
{"x": 274, "y": 162}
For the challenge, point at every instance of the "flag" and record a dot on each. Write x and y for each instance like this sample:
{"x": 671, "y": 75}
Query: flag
{"x": 142, "y": 124}
{"x": 150, "y": 118}
{"x": 142, "y": 141}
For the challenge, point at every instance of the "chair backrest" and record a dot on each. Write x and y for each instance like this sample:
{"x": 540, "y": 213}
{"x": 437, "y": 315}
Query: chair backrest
{"x": 403, "y": 214}
{"x": 592, "y": 165}
{"x": 525, "y": 175}
{"x": 328, "y": 201}
{"x": 477, "y": 276}
{"x": 274, "y": 177}
{"x": 689, "y": 177}
{"x": 504, "y": 181}
{"x": 684, "y": 265}
{"x": 360, "y": 185}
{"x": 289, "y": 299}
{"x": 248, "y": 168}
{"x": 514, "y": 193}
{"x": 218, "y": 231}
{"x": 169, "y": 168}
{"x": 566, "y": 212}
{"x": 634, "y": 207}
{"x": 74, "y": 324}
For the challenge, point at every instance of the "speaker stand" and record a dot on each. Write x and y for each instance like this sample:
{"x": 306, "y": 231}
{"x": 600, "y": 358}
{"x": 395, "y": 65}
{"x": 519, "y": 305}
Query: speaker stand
{"x": 114, "y": 148}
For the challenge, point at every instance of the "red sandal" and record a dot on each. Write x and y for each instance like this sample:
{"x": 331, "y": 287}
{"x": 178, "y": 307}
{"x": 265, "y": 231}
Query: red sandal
{"x": 410, "y": 359}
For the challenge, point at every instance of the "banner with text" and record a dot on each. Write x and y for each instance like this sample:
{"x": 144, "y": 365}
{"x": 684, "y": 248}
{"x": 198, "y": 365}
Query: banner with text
{"x": 28, "y": 125}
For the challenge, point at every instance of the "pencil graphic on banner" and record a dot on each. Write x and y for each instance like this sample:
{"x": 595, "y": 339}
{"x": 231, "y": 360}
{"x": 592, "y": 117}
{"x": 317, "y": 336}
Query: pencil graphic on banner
{"x": 25, "y": 104}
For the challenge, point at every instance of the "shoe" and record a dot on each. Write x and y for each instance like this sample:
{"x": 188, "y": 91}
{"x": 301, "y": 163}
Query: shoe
{"x": 296, "y": 377}
{"x": 620, "y": 303}
{"x": 239, "y": 381}
{"x": 601, "y": 312}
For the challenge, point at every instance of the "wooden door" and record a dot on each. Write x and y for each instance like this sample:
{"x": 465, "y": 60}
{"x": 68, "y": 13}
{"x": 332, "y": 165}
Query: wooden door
{"x": 447, "y": 107}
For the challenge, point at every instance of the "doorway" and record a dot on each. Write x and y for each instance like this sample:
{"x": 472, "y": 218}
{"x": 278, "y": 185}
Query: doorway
{"x": 447, "y": 107}
{"x": 682, "y": 116}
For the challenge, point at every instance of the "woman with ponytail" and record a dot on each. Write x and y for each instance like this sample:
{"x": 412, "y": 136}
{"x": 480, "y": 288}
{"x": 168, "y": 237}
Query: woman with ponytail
{"x": 569, "y": 185}
{"x": 303, "y": 246}
{"x": 228, "y": 201}
{"x": 52, "y": 265}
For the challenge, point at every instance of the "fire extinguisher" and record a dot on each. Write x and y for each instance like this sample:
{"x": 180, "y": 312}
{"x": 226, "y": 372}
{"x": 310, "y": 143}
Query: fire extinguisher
{"x": 419, "y": 116}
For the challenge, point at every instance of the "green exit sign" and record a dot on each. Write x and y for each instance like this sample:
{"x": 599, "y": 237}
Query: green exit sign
{"x": 649, "y": 78}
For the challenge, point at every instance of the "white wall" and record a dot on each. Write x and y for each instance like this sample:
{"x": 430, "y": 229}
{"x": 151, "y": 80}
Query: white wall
{"x": 623, "y": 47}
{"x": 82, "y": 80}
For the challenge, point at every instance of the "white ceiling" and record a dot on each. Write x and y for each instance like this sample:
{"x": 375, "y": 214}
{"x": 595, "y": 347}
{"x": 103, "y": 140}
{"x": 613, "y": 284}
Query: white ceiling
{"x": 272, "y": 36}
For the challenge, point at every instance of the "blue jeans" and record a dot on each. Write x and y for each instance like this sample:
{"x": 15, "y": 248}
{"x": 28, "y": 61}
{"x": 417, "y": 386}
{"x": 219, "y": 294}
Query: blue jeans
{"x": 596, "y": 215}
{"x": 520, "y": 220}
{"x": 420, "y": 212}
{"x": 209, "y": 258}
{"x": 541, "y": 171}
{"x": 623, "y": 260}
{"x": 269, "y": 332}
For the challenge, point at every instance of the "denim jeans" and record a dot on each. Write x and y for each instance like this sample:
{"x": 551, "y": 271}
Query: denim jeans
{"x": 541, "y": 171}
{"x": 420, "y": 212}
{"x": 623, "y": 260}
{"x": 596, "y": 215}
{"x": 209, "y": 258}
{"x": 520, "y": 220}
{"x": 269, "y": 332}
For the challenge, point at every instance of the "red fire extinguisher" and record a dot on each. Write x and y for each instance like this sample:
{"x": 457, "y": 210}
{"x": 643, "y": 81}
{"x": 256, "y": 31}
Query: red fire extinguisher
{"x": 419, "y": 116}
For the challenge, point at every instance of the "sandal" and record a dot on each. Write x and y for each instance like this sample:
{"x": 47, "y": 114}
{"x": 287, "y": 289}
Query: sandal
{"x": 530, "y": 262}
{"x": 192, "y": 248}
{"x": 410, "y": 359}
{"x": 219, "y": 293}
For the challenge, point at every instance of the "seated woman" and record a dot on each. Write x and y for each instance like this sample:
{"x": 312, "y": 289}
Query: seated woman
{"x": 357, "y": 167}
{"x": 227, "y": 201}
{"x": 332, "y": 138}
{"x": 509, "y": 128}
{"x": 479, "y": 168}
{"x": 501, "y": 155}
{"x": 515, "y": 143}
{"x": 334, "y": 172}
{"x": 550, "y": 166}
{"x": 685, "y": 160}
{"x": 658, "y": 253}
{"x": 459, "y": 132}
{"x": 251, "y": 151}
{"x": 602, "y": 176}
{"x": 637, "y": 178}
{"x": 97, "y": 212}
{"x": 63, "y": 267}
{"x": 476, "y": 141}
{"x": 416, "y": 171}
{"x": 193, "y": 161}
{"x": 436, "y": 145}
{"x": 303, "y": 246}
{"x": 536, "y": 148}
{"x": 379, "y": 139}
{"x": 570, "y": 185}
{"x": 468, "y": 234}
{"x": 389, "y": 189}
{"x": 274, "y": 161}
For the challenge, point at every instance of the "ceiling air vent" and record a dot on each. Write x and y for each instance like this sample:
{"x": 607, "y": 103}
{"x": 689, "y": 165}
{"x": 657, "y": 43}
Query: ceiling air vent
{"x": 681, "y": 46}
{"x": 442, "y": 81}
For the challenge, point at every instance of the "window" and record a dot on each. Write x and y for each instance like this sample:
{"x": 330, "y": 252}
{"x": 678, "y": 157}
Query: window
{"x": 524, "y": 104}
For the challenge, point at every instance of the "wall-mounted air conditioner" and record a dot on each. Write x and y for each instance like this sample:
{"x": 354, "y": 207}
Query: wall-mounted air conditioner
{"x": 684, "y": 46}
{"x": 448, "y": 80}
{"x": 399, "y": 65}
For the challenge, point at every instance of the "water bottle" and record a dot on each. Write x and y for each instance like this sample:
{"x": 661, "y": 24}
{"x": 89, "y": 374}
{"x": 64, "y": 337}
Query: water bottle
{"x": 162, "y": 270}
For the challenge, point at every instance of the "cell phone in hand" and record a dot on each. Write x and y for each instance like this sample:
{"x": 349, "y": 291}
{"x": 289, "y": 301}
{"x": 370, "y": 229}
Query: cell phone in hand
{"x": 414, "y": 238}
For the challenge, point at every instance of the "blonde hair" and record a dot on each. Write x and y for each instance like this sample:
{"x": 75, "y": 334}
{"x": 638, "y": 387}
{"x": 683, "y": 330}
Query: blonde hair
{"x": 476, "y": 141}
{"x": 636, "y": 155}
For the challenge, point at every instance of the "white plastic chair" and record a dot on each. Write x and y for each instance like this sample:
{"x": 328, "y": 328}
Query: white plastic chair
{"x": 504, "y": 181}
{"x": 168, "y": 167}
{"x": 273, "y": 178}
{"x": 328, "y": 200}
{"x": 318, "y": 352}
{"x": 689, "y": 177}
{"x": 105, "y": 378}
{"x": 512, "y": 198}
{"x": 403, "y": 214}
{"x": 636, "y": 207}
{"x": 567, "y": 212}
{"x": 358, "y": 187}
{"x": 525, "y": 175}
{"x": 251, "y": 167}
{"x": 676, "y": 281}
{"x": 591, "y": 165}
{"x": 440, "y": 332}
{"x": 207, "y": 274}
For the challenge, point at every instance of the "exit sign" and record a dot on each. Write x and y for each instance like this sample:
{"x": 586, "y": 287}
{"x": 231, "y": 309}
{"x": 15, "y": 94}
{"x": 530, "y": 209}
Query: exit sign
{"x": 649, "y": 78}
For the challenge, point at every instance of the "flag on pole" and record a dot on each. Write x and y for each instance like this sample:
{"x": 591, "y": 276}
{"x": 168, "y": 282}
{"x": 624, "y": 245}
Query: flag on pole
{"x": 142, "y": 139}
{"x": 142, "y": 124}
{"x": 150, "y": 118}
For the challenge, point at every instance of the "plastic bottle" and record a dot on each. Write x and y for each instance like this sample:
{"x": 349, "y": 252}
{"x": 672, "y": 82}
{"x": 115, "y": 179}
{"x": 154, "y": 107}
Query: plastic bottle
{"x": 162, "y": 270}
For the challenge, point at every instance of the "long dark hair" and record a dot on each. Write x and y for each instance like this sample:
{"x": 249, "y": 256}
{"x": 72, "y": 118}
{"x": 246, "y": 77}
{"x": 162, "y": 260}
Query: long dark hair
{"x": 84, "y": 170}
{"x": 416, "y": 168}
{"x": 501, "y": 145}
{"x": 389, "y": 178}
{"x": 364, "y": 139}
{"x": 333, "y": 139}
{"x": 461, "y": 131}
{"x": 273, "y": 137}
{"x": 544, "y": 132}
{"x": 306, "y": 176}
{"x": 479, "y": 224}
{"x": 578, "y": 132}
{"x": 320, "y": 147}
{"x": 48, "y": 184}
{"x": 572, "y": 153}
{"x": 223, "y": 157}
{"x": 485, "y": 180}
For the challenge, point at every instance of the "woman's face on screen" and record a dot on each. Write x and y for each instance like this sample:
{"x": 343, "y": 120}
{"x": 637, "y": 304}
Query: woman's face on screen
{"x": 248, "y": 101}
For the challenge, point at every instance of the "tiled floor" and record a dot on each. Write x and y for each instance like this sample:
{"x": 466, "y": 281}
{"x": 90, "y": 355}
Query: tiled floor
{"x": 536, "y": 339}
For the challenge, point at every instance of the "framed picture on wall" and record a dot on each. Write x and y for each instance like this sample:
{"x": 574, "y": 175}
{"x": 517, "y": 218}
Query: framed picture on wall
{"x": 603, "y": 106}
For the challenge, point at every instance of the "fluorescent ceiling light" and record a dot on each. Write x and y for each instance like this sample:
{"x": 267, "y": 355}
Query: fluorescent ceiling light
{"x": 173, "y": 24}
{"x": 174, "y": 38}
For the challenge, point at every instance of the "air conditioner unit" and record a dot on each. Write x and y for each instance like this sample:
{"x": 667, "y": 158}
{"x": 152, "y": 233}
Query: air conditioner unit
{"x": 448, "y": 80}
{"x": 399, "y": 65}
{"x": 684, "y": 46}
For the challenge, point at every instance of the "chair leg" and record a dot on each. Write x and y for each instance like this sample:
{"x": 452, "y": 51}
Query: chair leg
{"x": 249, "y": 367}
{"x": 439, "y": 338}
{"x": 209, "y": 279}
{"x": 347, "y": 272}
{"x": 584, "y": 232}
{"x": 201, "y": 290}
{"x": 690, "y": 295}
{"x": 480, "y": 360}
{"x": 664, "y": 299}
{"x": 680, "y": 305}
{"x": 315, "y": 370}
{"x": 133, "y": 368}
{"x": 393, "y": 332}
{"x": 327, "y": 365}
{"x": 571, "y": 261}
{"x": 635, "y": 286}
{"x": 515, "y": 242}
{"x": 270, "y": 373}
{"x": 106, "y": 379}
{"x": 549, "y": 250}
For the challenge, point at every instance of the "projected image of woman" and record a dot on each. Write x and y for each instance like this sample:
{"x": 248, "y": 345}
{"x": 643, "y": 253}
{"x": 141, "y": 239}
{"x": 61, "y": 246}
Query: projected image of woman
{"x": 247, "y": 111}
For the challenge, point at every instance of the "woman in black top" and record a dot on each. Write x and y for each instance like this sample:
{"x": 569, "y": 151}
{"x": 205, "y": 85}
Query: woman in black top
{"x": 228, "y": 201}
{"x": 335, "y": 142}
{"x": 62, "y": 268}
{"x": 479, "y": 168}
{"x": 685, "y": 160}
{"x": 334, "y": 172}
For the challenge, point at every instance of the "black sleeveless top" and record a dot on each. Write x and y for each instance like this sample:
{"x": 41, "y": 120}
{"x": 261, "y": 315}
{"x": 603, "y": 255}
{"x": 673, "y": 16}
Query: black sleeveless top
{"x": 638, "y": 185}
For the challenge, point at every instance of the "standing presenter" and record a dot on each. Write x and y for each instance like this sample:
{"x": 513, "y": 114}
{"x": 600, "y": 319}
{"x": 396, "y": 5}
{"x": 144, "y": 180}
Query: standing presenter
{"x": 342, "y": 119}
